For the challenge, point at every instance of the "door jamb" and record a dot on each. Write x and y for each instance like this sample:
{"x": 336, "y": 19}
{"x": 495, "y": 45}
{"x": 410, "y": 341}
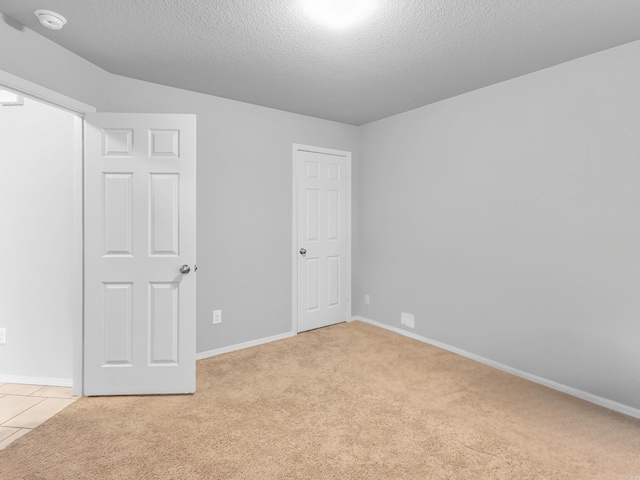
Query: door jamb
{"x": 42, "y": 94}
{"x": 294, "y": 233}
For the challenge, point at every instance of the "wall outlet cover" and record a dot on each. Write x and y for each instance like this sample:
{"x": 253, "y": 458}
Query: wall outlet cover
{"x": 407, "y": 319}
{"x": 3, "y": 336}
{"x": 217, "y": 317}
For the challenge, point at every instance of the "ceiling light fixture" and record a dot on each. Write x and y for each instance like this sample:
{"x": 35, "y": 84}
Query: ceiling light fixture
{"x": 50, "y": 19}
{"x": 339, "y": 13}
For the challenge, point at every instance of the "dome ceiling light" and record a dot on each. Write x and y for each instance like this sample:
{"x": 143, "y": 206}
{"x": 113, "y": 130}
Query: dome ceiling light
{"x": 339, "y": 13}
{"x": 50, "y": 19}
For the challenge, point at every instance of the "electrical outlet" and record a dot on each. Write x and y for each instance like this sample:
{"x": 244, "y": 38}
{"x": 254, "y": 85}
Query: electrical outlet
{"x": 407, "y": 319}
{"x": 367, "y": 300}
{"x": 217, "y": 317}
{"x": 3, "y": 336}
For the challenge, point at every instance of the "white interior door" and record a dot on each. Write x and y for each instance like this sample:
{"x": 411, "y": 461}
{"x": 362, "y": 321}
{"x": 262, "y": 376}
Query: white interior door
{"x": 140, "y": 229}
{"x": 323, "y": 236}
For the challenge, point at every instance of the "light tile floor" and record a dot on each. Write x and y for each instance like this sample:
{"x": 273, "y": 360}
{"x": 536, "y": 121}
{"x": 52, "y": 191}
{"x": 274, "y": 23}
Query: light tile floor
{"x": 24, "y": 407}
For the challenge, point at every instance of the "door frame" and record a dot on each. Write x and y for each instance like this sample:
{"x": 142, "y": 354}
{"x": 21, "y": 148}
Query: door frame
{"x": 294, "y": 232}
{"x": 78, "y": 109}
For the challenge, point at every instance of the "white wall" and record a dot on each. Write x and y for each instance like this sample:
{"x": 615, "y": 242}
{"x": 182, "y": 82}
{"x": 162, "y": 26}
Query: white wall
{"x": 36, "y": 222}
{"x": 508, "y": 221}
{"x": 244, "y": 182}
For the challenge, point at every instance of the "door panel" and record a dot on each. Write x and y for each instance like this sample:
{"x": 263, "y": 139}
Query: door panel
{"x": 323, "y": 271}
{"x": 333, "y": 281}
{"x": 116, "y": 323}
{"x": 164, "y": 214}
{"x": 139, "y": 231}
{"x": 163, "y": 323}
{"x": 117, "y": 210}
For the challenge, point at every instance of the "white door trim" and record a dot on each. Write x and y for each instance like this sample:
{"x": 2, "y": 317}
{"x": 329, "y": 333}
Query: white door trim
{"x": 43, "y": 94}
{"x": 294, "y": 232}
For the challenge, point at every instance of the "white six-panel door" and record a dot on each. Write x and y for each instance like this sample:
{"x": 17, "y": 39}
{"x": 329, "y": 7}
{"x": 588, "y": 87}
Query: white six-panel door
{"x": 140, "y": 226}
{"x": 323, "y": 229}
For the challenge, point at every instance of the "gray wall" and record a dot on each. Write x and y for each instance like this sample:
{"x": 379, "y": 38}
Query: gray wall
{"x": 35, "y": 58}
{"x": 508, "y": 221}
{"x": 244, "y": 182}
{"x": 36, "y": 221}
{"x": 244, "y": 203}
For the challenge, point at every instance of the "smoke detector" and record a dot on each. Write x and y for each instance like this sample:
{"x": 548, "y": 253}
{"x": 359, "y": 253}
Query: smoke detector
{"x": 50, "y": 19}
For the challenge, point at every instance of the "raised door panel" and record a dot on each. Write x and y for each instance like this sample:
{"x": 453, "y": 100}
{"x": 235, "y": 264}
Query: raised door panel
{"x": 117, "y": 214}
{"x": 333, "y": 281}
{"x": 333, "y": 172}
{"x": 117, "y": 324}
{"x": 333, "y": 215}
{"x": 164, "y": 143}
{"x": 312, "y": 297}
{"x": 117, "y": 142}
{"x": 164, "y": 214}
{"x": 312, "y": 170}
{"x": 163, "y": 323}
{"x": 312, "y": 215}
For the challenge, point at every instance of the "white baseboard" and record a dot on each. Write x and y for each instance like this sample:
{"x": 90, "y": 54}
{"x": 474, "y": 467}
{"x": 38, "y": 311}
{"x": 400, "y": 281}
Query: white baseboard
{"x": 49, "y": 381}
{"x": 240, "y": 346}
{"x": 603, "y": 402}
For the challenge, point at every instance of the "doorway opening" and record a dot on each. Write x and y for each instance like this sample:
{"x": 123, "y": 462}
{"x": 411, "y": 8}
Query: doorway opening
{"x": 321, "y": 237}
{"x": 30, "y": 91}
{"x": 37, "y": 221}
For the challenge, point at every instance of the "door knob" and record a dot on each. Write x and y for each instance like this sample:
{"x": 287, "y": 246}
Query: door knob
{"x": 185, "y": 269}
{"x": 303, "y": 252}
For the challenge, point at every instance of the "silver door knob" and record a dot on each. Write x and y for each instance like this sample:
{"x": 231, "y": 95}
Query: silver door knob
{"x": 185, "y": 269}
{"x": 303, "y": 252}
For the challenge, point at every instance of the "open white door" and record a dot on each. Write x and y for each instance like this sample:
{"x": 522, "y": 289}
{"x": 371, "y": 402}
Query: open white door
{"x": 323, "y": 236}
{"x": 140, "y": 242}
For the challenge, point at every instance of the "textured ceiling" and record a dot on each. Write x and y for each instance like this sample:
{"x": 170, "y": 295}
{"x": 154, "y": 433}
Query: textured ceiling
{"x": 267, "y": 52}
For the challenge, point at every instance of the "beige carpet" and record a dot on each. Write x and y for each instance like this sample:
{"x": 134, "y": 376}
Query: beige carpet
{"x": 345, "y": 402}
